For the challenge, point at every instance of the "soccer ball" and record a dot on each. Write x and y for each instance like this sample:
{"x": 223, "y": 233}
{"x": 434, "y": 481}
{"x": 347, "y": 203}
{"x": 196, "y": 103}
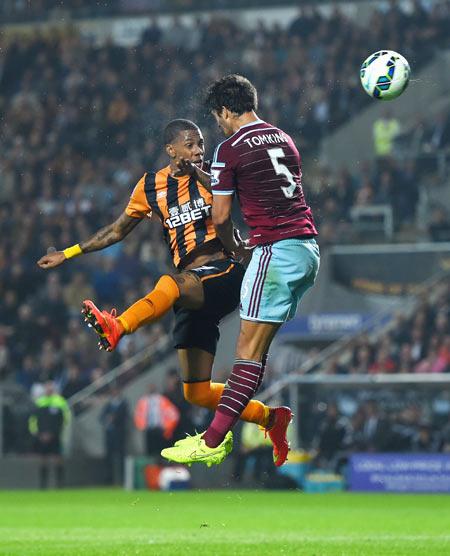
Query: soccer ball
{"x": 385, "y": 75}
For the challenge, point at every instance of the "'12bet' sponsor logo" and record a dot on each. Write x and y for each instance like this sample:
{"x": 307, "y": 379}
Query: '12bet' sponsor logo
{"x": 188, "y": 212}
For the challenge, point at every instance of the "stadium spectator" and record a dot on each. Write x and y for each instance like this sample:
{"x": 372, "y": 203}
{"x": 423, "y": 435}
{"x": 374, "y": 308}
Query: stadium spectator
{"x": 437, "y": 134}
{"x": 383, "y": 362}
{"x": 28, "y": 373}
{"x": 434, "y": 362}
{"x": 403, "y": 428}
{"x": 425, "y": 440}
{"x": 255, "y": 449}
{"x": 385, "y": 130}
{"x": 439, "y": 226}
{"x": 329, "y": 438}
{"x": 353, "y": 440}
{"x": 374, "y": 432}
{"x": 46, "y": 424}
{"x": 114, "y": 419}
{"x": 405, "y": 361}
{"x": 418, "y": 343}
{"x": 78, "y": 287}
{"x": 334, "y": 367}
{"x": 158, "y": 418}
{"x": 361, "y": 360}
{"x": 405, "y": 192}
{"x": 72, "y": 380}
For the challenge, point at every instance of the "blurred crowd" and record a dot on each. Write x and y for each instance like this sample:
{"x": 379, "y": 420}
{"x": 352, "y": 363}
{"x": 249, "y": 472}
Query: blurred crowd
{"x": 417, "y": 344}
{"x": 428, "y": 136}
{"x": 376, "y": 425}
{"x": 336, "y": 194}
{"x": 81, "y": 123}
{"x": 42, "y": 336}
{"x": 407, "y": 418}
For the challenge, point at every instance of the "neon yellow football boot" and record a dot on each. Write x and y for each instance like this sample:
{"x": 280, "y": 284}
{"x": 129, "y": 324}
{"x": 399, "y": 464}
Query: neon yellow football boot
{"x": 193, "y": 449}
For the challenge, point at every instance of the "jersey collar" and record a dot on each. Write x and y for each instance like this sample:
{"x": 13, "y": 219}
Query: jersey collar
{"x": 258, "y": 121}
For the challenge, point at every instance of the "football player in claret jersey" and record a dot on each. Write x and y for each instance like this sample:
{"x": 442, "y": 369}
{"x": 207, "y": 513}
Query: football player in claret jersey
{"x": 204, "y": 288}
{"x": 260, "y": 164}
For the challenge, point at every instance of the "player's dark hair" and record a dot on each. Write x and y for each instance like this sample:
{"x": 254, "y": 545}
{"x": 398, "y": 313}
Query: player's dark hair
{"x": 174, "y": 127}
{"x": 234, "y": 92}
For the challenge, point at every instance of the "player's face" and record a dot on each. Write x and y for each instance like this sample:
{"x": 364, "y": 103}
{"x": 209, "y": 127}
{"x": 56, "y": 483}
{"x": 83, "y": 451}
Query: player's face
{"x": 223, "y": 121}
{"x": 190, "y": 145}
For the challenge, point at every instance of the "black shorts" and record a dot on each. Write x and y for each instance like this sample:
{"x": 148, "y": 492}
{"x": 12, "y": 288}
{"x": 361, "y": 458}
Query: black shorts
{"x": 222, "y": 288}
{"x": 51, "y": 448}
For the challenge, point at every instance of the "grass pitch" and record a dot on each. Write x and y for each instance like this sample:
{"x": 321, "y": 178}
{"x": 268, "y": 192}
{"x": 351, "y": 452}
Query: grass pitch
{"x": 118, "y": 523}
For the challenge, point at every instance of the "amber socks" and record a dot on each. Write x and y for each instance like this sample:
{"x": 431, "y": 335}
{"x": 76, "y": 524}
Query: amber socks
{"x": 151, "y": 307}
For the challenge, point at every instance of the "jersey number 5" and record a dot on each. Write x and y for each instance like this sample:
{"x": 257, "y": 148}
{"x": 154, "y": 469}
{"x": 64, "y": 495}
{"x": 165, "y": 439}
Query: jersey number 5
{"x": 282, "y": 170}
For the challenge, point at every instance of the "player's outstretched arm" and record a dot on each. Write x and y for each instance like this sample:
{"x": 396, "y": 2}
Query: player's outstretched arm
{"x": 104, "y": 237}
{"x": 111, "y": 234}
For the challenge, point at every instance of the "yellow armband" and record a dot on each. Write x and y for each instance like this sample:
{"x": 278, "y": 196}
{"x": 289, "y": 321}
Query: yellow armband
{"x": 73, "y": 251}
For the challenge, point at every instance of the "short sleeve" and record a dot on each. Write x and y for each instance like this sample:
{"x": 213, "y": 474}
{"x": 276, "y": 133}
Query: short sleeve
{"x": 223, "y": 172}
{"x": 138, "y": 206}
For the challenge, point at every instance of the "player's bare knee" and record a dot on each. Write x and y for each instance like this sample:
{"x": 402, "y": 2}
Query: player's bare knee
{"x": 254, "y": 339}
{"x": 249, "y": 348}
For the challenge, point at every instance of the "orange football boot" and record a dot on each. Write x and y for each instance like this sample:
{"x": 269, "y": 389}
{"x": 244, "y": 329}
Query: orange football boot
{"x": 282, "y": 417}
{"x": 106, "y": 325}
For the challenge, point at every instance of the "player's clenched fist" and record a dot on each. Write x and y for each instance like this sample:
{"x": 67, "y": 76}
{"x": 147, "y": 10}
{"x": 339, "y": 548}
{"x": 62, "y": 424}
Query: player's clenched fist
{"x": 185, "y": 167}
{"x": 52, "y": 259}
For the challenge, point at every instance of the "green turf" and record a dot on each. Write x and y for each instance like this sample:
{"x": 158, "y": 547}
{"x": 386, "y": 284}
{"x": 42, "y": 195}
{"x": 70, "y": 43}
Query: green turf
{"x": 117, "y": 523}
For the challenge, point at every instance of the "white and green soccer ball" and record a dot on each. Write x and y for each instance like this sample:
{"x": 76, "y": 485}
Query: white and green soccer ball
{"x": 385, "y": 74}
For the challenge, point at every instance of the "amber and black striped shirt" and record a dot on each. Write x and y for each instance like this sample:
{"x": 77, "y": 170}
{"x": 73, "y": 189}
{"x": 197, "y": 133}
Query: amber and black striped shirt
{"x": 182, "y": 204}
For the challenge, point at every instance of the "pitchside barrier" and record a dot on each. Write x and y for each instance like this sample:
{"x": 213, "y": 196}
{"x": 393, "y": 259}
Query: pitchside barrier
{"x": 152, "y": 473}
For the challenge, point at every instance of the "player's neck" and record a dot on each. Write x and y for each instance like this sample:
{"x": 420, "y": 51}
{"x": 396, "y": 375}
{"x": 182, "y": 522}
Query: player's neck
{"x": 244, "y": 119}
